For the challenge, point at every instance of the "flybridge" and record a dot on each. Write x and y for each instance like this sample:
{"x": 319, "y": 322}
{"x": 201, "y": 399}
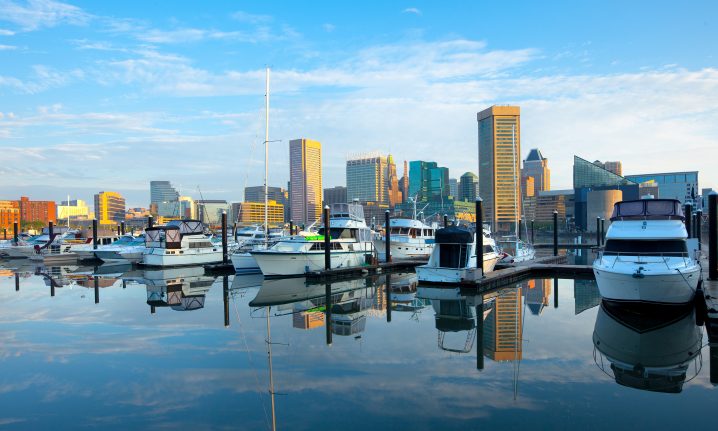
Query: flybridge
{"x": 648, "y": 209}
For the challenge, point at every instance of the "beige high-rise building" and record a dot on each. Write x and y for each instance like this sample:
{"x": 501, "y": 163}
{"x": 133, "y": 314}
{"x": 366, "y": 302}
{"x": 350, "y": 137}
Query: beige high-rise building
{"x": 499, "y": 167}
{"x": 305, "y": 181}
{"x": 536, "y": 166}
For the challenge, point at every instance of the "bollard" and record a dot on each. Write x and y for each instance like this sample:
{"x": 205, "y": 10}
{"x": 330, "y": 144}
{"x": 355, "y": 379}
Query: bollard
{"x": 97, "y": 288}
{"x": 291, "y": 227}
{"x": 122, "y": 228}
{"x": 555, "y": 233}
{"x": 328, "y": 311}
{"x": 480, "y": 334}
{"x": 699, "y": 221}
{"x": 555, "y": 293}
{"x": 689, "y": 215}
{"x": 94, "y": 234}
{"x": 327, "y": 239}
{"x": 603, "y": 231}
{"x": 225, "y": 299}
{"x": 598, "y": 231}
{"x": 713, "y": 236}
{"x": 480, "y": 235}
{"x": 50, "y": 230}
{"x": 14, "y": 231}
{"x": 532, "y": 232}
{"x": 224, "y": 238}
{"x": 150, "y": 221}
{"x": 17, "y": 282}
{"x": 387, "y": 236}
{"x": 388, "y": 297}
{"x": 446, "y": 220}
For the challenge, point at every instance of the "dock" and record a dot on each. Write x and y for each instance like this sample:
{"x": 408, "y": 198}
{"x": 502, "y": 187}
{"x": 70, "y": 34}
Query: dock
{"x": 364, "y": 270}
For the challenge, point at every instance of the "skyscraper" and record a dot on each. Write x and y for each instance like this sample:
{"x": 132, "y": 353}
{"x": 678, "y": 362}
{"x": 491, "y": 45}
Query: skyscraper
{"x": 499, "y": 169}
{"x": 394, "y": 192}
{"x": 428, "y": 182}
{"x": 404, "y": 184}
{"x": 367, "y": 178}
{"x": 454, "y": 188}
{"x": 305, "y": 178}
{"x": 335, "y": 195}
{"x": 468, "y": 187}
{"x": 109, "y": 207}
{"x": 164, "y": 199}
{"x": 536, "y": 166}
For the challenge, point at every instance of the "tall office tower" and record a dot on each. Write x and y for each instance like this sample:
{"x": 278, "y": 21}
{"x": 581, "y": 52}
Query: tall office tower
{"x": 536, "y": 166}
{"x": 615, "y": 167}
{"x": 335, "y": 195}
{"x": 109, "y": 207}
{"x": 305, "y": 180}
{"x": 503, "y": 330}
{"x": 164, "y": 199}
{"x": 499, "y": 167}
{"x": 188, "y": 208}
{"x": 367, "y": 178}
{"x": 256, "y": 194}
{"x": 454, "y": 188}
{"x": 468, "y": 187}
{"x": 428, "y": 182}
{"x": 404, "y": 184}
{"x": 394, "y": 192}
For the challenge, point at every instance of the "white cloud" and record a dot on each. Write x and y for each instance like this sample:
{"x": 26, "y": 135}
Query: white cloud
{"x": 7, "y": 47}
{"x": 251, "y": 18}
{"x": 412, "y": 10}
{"x": 36, "y": 14}
{"x": 4, "y": 32}
{"x": 328, "y": 27}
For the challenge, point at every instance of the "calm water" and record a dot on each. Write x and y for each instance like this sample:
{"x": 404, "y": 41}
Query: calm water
{"x": 155, "y": 352}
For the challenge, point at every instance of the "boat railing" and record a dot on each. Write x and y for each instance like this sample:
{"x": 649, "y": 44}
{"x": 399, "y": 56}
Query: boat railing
{"x": 642, "y": 257}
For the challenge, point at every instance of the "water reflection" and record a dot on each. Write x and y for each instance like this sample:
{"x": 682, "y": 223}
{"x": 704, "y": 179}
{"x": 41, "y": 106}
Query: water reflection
{"x": 181, "y": 289}
{"x": 651, "y": 348}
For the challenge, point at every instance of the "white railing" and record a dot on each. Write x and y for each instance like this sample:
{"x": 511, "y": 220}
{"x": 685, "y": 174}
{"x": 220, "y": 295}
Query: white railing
{"x": 643, "y": 257}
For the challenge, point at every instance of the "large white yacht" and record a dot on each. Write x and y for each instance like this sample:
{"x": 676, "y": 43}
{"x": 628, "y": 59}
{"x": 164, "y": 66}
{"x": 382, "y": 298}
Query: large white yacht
{"x": 454, "y": 257}
{"x": 180, "y": 242}
{"x": 647, "y": 257}
{"x": 350, "y": 244}
{"x": 410, "y": 239}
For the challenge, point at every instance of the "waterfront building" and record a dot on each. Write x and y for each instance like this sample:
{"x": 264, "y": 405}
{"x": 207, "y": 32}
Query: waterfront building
{"x": 249, "y": 213}
{"x": 428, "y": 182}
{"x": 649, "y": 190}
{"x": 468, "y": 187}
{"x": 37, "y": 211}
{"x": 109, "y": 207}
{"x": 454, "y": 188}
{"x": 588, "y": 177}
{"x": 164, "y": 199}
{"x": 187, "y": 208}
{"x": 335, "y": 195}
{"x": 499, "y": 170}
{"x": 672, "y": 185}
{"x": 615, "y": 167}
{"x": 305, "y": 178}
{"x": 503, "y": 331}
{"x": 137, "y": 212}
{"x": 75, "y": 209}
{"x": 528, "y": 188}
{"x": 374, "y": 212}
{"x": 536, "y": 166}
{"x": 367, "y": 179}
{"x": 394, "y": 193}
{"x": 256, "y": 194}
{"x": 210, "y": 211}
{"x": 9, "y": 214}
{"x": 404, "y": 184}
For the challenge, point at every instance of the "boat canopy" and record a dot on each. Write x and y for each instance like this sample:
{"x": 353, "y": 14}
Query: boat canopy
{"x": 648, "y": 209}
{"x": 170, "y": 236}
{"x": 453, "y": 235}
{"x": 350, "y": 211}
{"x": 187, "y": 227}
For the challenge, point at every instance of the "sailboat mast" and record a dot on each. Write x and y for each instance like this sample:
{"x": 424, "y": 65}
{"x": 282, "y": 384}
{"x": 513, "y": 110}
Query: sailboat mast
{"x": 266, "y": 160}
{"x": 67, "y": 212}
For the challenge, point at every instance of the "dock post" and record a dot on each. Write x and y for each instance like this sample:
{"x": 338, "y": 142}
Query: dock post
{"x": 122, "y": 227}
{"x": 328, "y": 312}
{"x": 327, "y": 240}
{"x": 153, "y": 310}
{"x": 532, "y": 232}
{"x": 97, "y": 288}
{"x": 555, "y": 232}
{"x": 480, "y": 334}
{"x": 388, "y": 298}
{"x": 150, "y": 221}
{"x": 225, "y": 299}
{"x": 519, "y": 229}
{"x": 52, "y": 287}
{"x": 14, "y": 231}
{"x": 598, "y": 231}
{"x": 714, "y": 364}
{"x": 689, "y": 215}
{"x": 234, "y": 231}
{"x": 446, "y": 220}
{"x": 387, "y": 236}
{"x": 50, "y": 230}
{"x": 699, "y": 221}
{"x": 603, "y": 232}
{"x": 713, "y": 236}
{"x": 4, "y": 232}
{"x": 94, "y": 234}
{"x": 555, "y": 293}
{"x": 224, "y": 237}
{"x": 291, "y": 227}
{"x": 480, "y": 235}
{"x": 118, "y": 230}
{"x": 17, "y": 282}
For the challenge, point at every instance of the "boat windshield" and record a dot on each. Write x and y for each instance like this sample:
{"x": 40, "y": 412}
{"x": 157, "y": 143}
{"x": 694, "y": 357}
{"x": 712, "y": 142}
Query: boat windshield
{"x": 339, "y": 233}
{"x": 665, "y": 247}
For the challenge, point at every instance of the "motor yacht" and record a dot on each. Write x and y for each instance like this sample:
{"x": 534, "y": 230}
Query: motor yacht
{"x": 351, "y": 242}
{"x": 179, "y": 243}
{"x": 410, "y": 239}
{"x": 126, "y": 249}
{"x": 647, "y": 257}
{"x": 454, "y": 257}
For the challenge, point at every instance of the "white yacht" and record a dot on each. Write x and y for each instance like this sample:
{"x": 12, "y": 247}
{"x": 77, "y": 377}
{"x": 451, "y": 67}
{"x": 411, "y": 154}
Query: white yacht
{"x": 126, "y": 249}
{"x": 410, "y": 239}
{"x": 454, "y": 257}
{"x": 179, "y": 243}
{"x": 647, "y": 257}
{"x": 350, "y": 244}
{"x": 515, "y": 250}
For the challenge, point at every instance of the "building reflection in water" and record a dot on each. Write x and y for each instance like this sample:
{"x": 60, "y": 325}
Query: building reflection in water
{"x": 649, "y": 348}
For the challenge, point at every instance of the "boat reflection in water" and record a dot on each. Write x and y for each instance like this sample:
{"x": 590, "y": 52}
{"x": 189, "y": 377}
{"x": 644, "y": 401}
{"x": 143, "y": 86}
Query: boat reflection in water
{"x": 648, "y": 348}
{"x": 403, "y": 294}
{"x": 182, "y": 289}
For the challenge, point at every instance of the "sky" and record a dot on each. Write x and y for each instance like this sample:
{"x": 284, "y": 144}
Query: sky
{"x": 111, "y": 95}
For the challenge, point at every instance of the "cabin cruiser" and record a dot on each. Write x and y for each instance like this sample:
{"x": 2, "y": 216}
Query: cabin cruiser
{"x": 410, "y": 239}
{"x": 453, "y": 259}
{"x": 515, "y": 250}
{"x": 126, "y": 249}
{"x": 654, "y": 350}
{"x": 179, "y": 243}
{"x": 350, "y": 242}
{"x": 647, "y": 257}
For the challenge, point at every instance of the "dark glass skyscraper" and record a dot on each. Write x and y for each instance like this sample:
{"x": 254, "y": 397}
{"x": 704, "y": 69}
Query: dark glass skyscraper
{"x": 164, "y": 199}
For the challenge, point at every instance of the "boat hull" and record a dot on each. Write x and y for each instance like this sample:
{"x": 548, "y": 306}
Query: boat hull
{"x": 245, "y": 263}
{"x": 663, "y": 288}
{"x": 440, "y": 275}
{"x": 295, "y": 264}
{"x": 404, "y": 251}
{"x": 189, "y": 257}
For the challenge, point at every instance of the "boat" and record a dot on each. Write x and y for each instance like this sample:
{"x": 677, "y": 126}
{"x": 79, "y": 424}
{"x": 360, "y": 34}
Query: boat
{"x": 453, "y": 259}
{"x": 350, "y": 244}
{"x": 126, "y": 249}
{"x": 515, "y": 250}
{"x": 179, "y": 243}
{"x": 410, "y": 239}
{"x": 647, "y": 257}
{"x": 656, "y": 348}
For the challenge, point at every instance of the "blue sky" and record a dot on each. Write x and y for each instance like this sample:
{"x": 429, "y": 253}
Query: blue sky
{"x": 108, "y": 96}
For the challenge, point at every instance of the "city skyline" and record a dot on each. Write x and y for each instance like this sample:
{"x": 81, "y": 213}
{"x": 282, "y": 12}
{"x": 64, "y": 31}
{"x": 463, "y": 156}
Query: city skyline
{"x": 100, "y": 86}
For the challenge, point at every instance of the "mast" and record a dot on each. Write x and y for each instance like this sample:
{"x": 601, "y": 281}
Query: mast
{"x": 266, "y": 160}
{"x": 67, "y": 212}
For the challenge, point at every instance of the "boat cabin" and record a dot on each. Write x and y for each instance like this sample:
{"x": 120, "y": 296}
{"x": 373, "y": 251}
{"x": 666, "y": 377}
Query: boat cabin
{"x": 170, "y": 236}
{"x": 648, "y": 209}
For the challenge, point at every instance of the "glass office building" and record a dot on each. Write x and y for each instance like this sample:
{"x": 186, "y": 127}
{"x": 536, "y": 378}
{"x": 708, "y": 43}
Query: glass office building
{"x": 672, "y": 185}
{"x": 164, "y": 199}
